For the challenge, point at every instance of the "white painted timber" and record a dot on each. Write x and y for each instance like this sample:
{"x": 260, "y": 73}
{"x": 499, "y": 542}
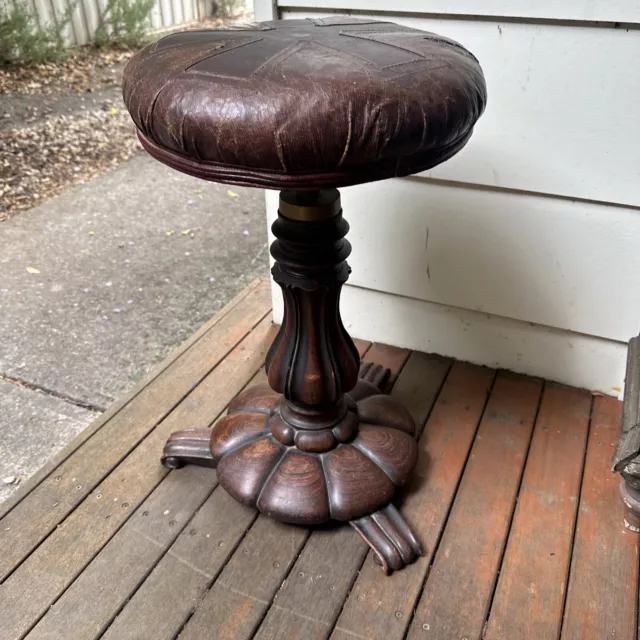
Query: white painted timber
{"x": 554, "y": 262}
{"x": 264, "y": 10}
{"x": 574, "y": 359}
{"x": 562, "y": 116}
{"x": 577, "y": 10}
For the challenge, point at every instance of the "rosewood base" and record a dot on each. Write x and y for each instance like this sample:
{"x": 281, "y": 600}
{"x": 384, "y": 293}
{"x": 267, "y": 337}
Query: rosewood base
{"x": 348, "y": 472}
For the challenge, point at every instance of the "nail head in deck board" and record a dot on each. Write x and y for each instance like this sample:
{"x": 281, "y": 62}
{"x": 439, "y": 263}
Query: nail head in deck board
{"x": 88, "y": 607}
{"x": 48, "y": 571}
{"x": 31, "y": 483}
{"x": 23, "y": 528}
{"x": 417, "y": 386}
{"x": 460, "y": 583}
{"x": 310, "y": 599}
{"x": 530, "y": 593}
{"x": 174, "y": 587}
{"x": 93, "y": 600}
{"x": 373, "y": 604}
{"x": 602, "y": 596}
{"x": 237, "y": 601}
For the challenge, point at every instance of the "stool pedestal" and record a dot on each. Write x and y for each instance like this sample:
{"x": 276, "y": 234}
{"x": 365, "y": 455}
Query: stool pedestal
{"x": 320, "y": 441}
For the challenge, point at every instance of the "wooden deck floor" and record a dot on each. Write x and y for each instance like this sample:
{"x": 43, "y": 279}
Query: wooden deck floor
{"x": 513, "y": 501}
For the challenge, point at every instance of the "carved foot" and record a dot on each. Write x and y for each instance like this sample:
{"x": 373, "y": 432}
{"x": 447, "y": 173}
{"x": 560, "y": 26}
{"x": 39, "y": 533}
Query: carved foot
{"x": 631, "y": 500}
{"x": 188, "y": 447}
{"x": 374, "y": 373}
{"x": 390, "y": 537}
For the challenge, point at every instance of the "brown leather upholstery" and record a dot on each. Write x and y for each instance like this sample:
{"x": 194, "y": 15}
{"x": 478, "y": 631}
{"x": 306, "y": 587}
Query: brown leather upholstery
{"x": 304, "y": 104}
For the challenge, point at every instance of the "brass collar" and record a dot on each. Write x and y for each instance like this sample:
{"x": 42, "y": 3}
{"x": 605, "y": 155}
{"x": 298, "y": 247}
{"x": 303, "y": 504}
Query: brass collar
{"x": 310, "y": 206}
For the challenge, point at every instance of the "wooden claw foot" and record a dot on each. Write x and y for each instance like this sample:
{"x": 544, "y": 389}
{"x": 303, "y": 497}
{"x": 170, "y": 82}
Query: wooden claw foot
{"x": 374, "y": 373}
{"x": 188, "y": 447}
{"x": 390, "y": 537}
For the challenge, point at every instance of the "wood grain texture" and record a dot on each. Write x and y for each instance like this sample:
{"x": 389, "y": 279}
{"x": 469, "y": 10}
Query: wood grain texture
{"x": 416, "y": 387}
{"x": 178, "y": 581}
{"x": 31, "y": 483}
{"x": 296, "y": 491}
{"x": 95, "y": 597}
{"x": 602, "y": 596}
{"x": 380, "y": 609}
{"x": 89, "y": 605}
{"x": 23, "y": 528}
{"x": 460, "y": 584}
{"x": 48, "y": 571}
{"x": 239, "y": 598}
{"x": 530, "y": 594}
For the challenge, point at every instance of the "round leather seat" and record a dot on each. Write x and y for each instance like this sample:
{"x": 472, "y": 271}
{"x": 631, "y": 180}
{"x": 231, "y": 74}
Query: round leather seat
{"x": 304, "y": 104}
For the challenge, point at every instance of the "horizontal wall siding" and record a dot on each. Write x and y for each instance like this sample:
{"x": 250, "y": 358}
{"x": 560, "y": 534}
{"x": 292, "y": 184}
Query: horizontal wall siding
{"x": 575, "y": 359}
{"x": 562, "y": 113}
{"x": 578, "y": 10}
{"x": 563, "y": 264}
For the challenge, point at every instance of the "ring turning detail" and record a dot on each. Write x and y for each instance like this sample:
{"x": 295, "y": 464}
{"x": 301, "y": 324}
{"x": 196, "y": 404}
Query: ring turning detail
{"x": 321, "y": 441}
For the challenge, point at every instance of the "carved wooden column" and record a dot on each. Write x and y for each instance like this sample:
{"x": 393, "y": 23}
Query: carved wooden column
{"x": 313, "y": 361}
{"x": 319, "y": 441}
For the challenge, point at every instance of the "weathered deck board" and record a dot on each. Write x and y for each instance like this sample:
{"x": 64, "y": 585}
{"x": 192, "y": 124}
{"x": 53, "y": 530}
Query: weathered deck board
{"x": 139, "y": 552}
{"x": 530, "y": 593}
{"x": 94, "y": 599}
{"x": 381, "y": 609}
{"x": 456, "y": 597}
{"x": 603, "y": 586}
{"x": 37, "y": 515}
{"x": 87, "y": 608}
{"x": 40, "y": 580}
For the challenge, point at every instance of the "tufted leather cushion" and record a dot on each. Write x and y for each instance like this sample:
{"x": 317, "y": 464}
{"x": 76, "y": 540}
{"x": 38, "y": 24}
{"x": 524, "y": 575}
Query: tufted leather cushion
{"x": 304, "y": 104}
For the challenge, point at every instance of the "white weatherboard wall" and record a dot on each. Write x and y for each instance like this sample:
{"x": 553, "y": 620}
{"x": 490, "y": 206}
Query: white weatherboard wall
{"x": 522, "y": 251}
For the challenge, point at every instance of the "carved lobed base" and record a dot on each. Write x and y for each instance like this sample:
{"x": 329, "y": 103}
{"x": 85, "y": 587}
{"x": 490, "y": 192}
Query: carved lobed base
{"x": 348, "y": 472}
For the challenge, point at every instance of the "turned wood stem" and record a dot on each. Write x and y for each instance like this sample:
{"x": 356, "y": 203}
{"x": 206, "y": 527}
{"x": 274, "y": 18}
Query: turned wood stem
{"x": 313, "y": 362}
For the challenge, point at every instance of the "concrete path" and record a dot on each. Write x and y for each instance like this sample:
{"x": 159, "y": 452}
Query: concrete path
{"x": 102, "y": 282}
